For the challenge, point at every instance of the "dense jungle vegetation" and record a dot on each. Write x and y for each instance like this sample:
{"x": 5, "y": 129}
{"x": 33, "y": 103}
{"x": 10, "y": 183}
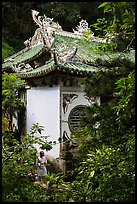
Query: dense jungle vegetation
{"x": 106, "y": 170}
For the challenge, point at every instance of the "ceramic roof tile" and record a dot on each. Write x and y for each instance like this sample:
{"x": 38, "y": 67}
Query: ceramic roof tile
{"x": 23, "y": 57}
{"x": 75, "y": 68}
{"x": 38, "y": 71}
{"x": 75, "y": 65}
{"x": 28, "y": 54}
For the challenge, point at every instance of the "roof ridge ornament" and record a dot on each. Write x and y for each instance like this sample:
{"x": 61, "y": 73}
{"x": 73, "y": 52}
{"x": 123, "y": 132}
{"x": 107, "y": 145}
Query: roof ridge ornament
{"x": 63, "y": 55}
{"x": 45, "y": 33}
{"x": 81, "y": 28}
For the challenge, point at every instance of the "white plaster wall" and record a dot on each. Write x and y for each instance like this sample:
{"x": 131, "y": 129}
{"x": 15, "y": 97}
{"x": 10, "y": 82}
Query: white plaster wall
{"x": 80, "y": 100}
{"x": 43, "y": 107}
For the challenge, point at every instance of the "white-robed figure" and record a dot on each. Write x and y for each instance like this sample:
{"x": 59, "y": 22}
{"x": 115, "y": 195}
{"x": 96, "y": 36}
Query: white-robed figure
{"x": 41, "y": 162}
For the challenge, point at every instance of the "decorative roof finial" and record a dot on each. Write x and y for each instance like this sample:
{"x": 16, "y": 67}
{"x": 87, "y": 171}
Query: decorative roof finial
{"x": 46, "y": 31}
{"x": 81, "y": 28}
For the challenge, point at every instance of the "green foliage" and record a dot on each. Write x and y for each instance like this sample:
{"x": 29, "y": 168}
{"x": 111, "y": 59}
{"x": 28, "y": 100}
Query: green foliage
{"x": 56, "y": 191}
{"x": 16, "y": 16}
{"x": 11, "y": 102}
{"x": 107, "y": 170}
{"x": 126, "y": 104}
{"x": 17, "y": 166}
{"x": 117, "y": 27}
{"x": 10, "y": 85}
{"x": 121, "y": 17}
{"x": 6, "y": 50}
{"x": 106, "y": 175}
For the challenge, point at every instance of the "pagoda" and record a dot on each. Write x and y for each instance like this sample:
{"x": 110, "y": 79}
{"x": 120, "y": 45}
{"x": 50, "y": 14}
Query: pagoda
{"x": 54, "y": 64}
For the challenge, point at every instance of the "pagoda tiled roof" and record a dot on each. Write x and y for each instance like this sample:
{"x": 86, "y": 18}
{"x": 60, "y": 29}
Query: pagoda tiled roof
{"x": 75, "y": 66}
{"x": 82, "y": 63}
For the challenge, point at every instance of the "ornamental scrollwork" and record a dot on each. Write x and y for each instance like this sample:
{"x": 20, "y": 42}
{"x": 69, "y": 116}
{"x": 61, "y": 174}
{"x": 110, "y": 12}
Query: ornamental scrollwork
{"x": 67, "y": 99}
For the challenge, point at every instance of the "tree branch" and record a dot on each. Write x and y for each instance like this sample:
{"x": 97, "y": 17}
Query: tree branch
{"x": 130, "y": 43}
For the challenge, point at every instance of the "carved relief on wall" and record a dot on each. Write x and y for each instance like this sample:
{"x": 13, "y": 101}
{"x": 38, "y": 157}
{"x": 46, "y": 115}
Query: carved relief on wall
{"x": 23, "y": 97}
{"x": 65, "y": 141}
{"x": 67, "y": 99}
{"x": 93, "y": 100}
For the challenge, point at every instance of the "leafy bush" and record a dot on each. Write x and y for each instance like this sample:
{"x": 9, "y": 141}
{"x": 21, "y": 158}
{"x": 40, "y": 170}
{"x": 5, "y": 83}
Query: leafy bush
{"x": 18, "y": 169}
{"x": 6, "y": 50}
{"x": 107, "y": 175}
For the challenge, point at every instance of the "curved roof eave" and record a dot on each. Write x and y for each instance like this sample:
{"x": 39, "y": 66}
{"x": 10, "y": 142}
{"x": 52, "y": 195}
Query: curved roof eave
{"x": 23, "y": 56}
{"x": 69, "y": 67}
